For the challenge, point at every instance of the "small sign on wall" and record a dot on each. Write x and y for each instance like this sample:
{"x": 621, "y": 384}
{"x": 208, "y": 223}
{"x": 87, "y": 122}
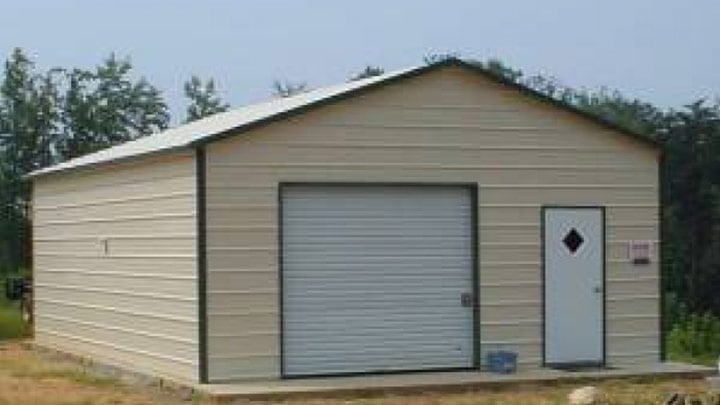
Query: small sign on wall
{"x": 639, "y": 251}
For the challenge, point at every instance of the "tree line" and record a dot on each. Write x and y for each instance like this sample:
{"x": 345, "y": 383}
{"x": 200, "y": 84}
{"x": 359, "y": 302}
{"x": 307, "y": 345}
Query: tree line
{"x": 50, "y": 116}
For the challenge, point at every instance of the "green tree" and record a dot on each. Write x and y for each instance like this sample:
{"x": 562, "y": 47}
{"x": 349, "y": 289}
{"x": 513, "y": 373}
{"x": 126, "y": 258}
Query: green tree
{"x": 28, "y": 115}
{"x": 368, "y": 71}
{"x": 691, "y": 138}
{"x": 287, "y": 88}
{"x": 433, "y": 58}
{"x": 106, "y": 107}
{"x": 203, "y": 97}
{"x": 497, "y": 67}
{"x": 28, "y": 129}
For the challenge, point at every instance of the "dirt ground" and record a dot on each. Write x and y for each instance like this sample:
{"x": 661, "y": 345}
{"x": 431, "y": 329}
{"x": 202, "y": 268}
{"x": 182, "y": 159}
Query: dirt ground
{"x": 27, "y": 377}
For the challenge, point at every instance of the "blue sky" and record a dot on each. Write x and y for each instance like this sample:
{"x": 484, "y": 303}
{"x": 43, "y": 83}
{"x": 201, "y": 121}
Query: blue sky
{"x": 663, "y": 51}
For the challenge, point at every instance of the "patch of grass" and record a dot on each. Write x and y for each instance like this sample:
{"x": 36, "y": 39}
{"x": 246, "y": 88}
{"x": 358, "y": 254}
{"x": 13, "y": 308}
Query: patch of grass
{"x": 12, "y": 325}
{"x": 75, "y": 375}
{"x": 709, "y": 360}
{"x": 695, "y": 339}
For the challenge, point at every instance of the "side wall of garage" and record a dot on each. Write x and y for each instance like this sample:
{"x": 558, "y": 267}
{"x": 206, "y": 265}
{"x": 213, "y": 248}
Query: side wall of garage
{"x": 451, "y": 126}
{"x": 115, "y": 264}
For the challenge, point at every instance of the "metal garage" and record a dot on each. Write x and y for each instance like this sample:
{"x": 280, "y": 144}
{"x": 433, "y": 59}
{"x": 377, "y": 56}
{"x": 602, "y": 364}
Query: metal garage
{"x": 412, "y": 221}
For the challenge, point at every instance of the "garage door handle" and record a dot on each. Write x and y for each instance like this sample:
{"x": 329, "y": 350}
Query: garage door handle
{"x": 467, "y": 300}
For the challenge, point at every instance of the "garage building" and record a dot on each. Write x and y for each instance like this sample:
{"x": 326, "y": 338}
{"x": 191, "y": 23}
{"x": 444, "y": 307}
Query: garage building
{"x": 410, "y": 221}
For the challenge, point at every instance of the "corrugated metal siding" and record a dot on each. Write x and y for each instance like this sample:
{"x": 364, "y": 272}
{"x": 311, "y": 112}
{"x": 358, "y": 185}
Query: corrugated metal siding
{"x": 115, "y": 265}
{"x": 373, "y": 278}
{"x": 446, "y": 126}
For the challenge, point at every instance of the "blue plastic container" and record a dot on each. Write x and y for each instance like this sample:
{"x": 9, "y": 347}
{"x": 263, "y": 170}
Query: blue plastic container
{"x": 502, "y": 361}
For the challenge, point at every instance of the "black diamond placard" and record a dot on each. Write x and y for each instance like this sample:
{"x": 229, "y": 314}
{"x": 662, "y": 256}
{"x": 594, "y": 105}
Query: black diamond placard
{"x": 573, "y": 240}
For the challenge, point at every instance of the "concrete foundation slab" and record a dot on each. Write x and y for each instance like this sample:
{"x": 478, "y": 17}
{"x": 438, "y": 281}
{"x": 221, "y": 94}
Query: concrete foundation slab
{"x": 442, "y": 381}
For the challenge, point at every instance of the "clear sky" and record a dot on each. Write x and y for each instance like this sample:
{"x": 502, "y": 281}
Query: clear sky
{"x": 664, "y": 51}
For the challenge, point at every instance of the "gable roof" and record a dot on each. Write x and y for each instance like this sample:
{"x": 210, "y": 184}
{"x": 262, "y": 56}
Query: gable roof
{"x": 208, "y": 129}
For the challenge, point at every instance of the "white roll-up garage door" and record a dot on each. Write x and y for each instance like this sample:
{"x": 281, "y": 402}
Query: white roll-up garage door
{"x": 376, "y": 278}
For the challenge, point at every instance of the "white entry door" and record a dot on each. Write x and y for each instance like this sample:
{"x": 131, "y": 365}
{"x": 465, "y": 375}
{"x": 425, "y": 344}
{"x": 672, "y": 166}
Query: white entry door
{"x": 376, "y": 278}
{"x": 574, "y": 282}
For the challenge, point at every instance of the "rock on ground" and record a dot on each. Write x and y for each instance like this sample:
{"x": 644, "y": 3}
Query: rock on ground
{"x": 588, "y": 395}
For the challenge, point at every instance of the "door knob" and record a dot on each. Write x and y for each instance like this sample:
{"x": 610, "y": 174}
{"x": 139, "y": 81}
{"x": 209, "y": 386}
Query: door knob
{"x": 597, "y": 290}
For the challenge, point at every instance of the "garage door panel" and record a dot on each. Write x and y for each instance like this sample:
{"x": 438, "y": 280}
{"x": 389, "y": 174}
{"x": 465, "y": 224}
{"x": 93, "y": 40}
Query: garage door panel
{"x": 397, "y": 260}
{"x": 367, "y": 332}
{"x": 360, "y": 272}
{"x": 365, "y": 304}
{"x": 395, "y": 362}
{"x": 380, "y": 228}
{"x": 373, "y": 278}
{"x": 375, "y": 243}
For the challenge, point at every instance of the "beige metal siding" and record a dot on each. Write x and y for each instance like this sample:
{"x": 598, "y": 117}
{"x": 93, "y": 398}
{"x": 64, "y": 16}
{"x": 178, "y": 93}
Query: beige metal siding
{"x": 445, "y": 126}
{"x": 115, "y": 264}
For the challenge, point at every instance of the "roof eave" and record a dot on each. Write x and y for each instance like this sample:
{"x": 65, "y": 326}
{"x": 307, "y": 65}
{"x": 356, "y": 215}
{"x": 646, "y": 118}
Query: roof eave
{"x": 42, "y": 172}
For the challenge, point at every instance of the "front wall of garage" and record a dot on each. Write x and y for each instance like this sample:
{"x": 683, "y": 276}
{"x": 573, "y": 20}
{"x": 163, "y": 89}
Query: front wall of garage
{"x": 450, "y": 126}
{"x": 115, "y": 264}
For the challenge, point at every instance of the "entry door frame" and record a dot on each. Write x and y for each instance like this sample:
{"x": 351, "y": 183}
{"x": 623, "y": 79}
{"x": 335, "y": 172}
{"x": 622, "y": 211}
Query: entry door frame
{"x": 473, "y": 190}
{"x": 603, "y": 245}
